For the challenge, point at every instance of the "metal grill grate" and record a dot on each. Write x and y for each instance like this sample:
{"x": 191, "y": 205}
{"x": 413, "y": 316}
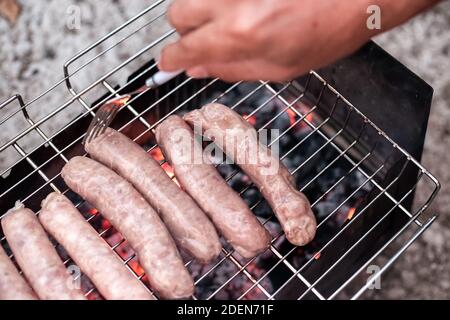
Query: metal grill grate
{"x": 294, "y": 100}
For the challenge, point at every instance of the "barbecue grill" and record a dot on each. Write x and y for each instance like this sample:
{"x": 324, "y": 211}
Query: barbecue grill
{"x": 360, "y": 181}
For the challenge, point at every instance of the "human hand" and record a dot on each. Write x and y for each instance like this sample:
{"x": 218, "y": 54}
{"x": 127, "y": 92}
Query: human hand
{"x": 271, "y": 39}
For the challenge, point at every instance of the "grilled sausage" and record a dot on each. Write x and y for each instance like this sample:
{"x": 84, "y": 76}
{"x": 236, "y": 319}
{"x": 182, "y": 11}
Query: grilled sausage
{"x": 37, "y": 257}
{"x": 12, "y": 285}
{"x": 238, "y": 139}
{"x": 187, "y": 223}
{"x": 201, "y": 180}
{"x": 135, "y": 219}
{"x": 91, "y": 253}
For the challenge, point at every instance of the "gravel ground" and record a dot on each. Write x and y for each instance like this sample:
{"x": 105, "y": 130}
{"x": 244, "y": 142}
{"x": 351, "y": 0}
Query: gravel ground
{"x": 423, "y": 45}
{"x": 35, "y": 48}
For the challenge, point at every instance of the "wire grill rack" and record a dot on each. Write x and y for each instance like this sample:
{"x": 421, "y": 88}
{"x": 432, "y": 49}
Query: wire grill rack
{"x": 288, "y": 95}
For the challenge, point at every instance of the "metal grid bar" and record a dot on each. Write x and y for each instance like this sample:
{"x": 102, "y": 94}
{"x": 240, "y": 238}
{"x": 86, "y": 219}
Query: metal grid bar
{"x": 276, "y": 94}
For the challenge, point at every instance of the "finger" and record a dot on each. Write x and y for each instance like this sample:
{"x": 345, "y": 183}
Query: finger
{"x": 187, "y": 15}
{"x": 248, "y": 70}
{"x": 208, "y": 45}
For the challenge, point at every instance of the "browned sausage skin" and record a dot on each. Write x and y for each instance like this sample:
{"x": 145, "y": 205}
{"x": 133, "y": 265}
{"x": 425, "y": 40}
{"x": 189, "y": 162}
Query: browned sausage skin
{"x": 91, "y": 253}
{"x": 187, "y": 223}
{"x": 12, "y": 285}
{"x": 136, "y": 220}
{"x": 201, "y": 180}
{"x": 37, "y": 257}
{"x": 238, "y": 139}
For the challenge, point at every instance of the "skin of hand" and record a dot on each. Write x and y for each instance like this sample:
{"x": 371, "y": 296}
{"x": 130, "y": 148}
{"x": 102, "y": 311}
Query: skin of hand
{"x": 273, "y": 40}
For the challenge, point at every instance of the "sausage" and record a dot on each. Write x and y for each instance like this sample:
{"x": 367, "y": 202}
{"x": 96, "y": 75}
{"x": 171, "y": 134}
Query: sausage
{"x": 37, "y": 257}
{"x": 135, "y": 219}
{"x": 203, "y": 182}
{"x": 238, "y": 139}
{"x": 89, "y": 251}
{"x": 12, "y": 285}
{"x": 187, "y": 223}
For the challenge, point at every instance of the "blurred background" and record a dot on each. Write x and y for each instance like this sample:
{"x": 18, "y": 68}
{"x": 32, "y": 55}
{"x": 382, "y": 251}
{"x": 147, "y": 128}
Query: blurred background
{"x": 37, "y": 38}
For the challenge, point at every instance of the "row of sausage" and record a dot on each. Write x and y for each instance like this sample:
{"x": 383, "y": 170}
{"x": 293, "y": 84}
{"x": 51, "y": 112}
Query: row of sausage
{"x": 133, "y": 192}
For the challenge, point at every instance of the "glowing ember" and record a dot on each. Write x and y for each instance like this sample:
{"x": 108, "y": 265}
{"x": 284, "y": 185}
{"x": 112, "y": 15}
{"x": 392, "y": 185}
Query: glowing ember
{"x": 351, "y": 213}
{"x": 106, "y": 224}
{"x": 157, "y": 154}
{"x": 294, "y": 115}
{"x": 136, "y": 267}
{"x": 250, "y": 119}
{"x": 93, "y": 211}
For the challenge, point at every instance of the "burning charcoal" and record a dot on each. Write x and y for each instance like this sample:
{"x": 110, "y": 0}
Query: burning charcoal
{"x": 230, "y": 98}
{"x": 242, "y": 284}
{"x": 226, "y": 169}
{"x": 337, "y": 193}
{"x": 360, "y": 180}
{"x": 293, "y": 163}
{"x": 240, "y": 181}
{"x": 299, "y": 257}
{"x": 273, "y": 227}
{"x": 263, "y": 209}
{"x": 255, "y": 98}
{"x": 283, "y": 122}
{"x": 344, "y": 214}
{"x": 329, "y": 177}
{"x": 252, "y": 196}
{"x": 323, "y": 209}
{"x": 60, "y": 249}
{"x": 297, "y": 160}
{"x": 214, "y": 277}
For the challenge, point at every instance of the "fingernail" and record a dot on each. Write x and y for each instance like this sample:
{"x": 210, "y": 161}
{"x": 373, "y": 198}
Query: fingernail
{"x": 198, "y": 73}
